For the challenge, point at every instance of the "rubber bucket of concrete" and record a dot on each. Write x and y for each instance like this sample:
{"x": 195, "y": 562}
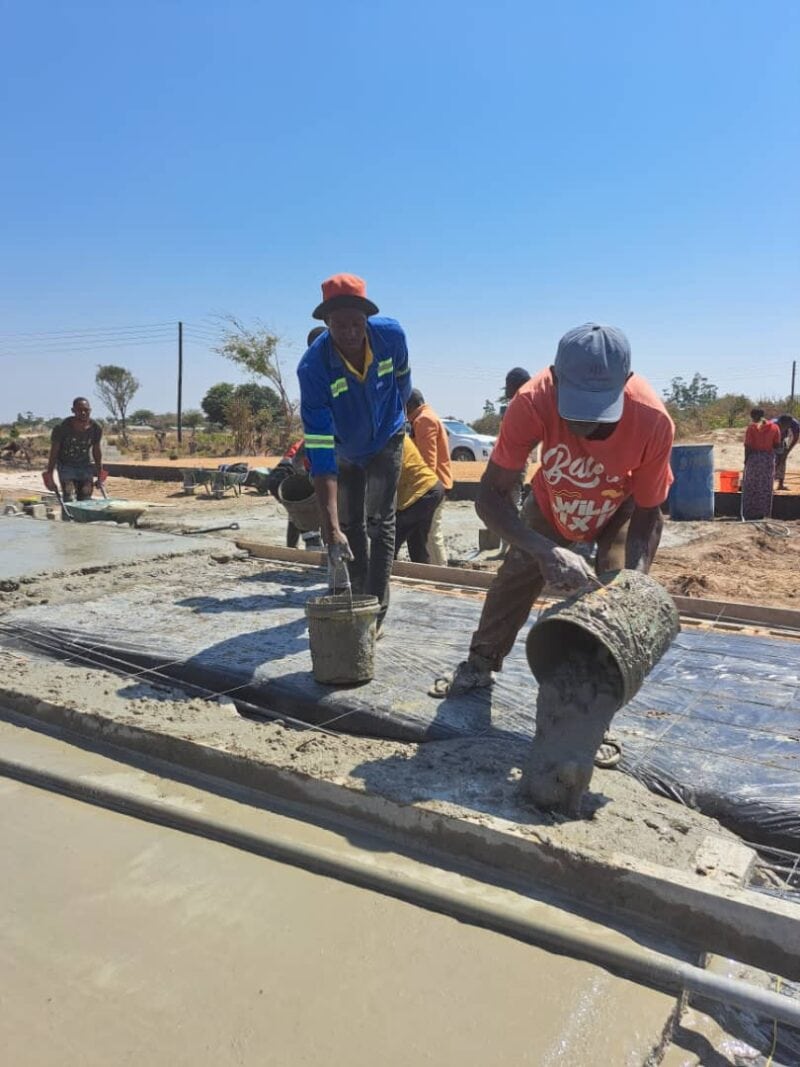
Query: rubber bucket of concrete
{"x": 590, "y": 655}
{"x": 341, "y": 634}
{"x": 296, "y": 493}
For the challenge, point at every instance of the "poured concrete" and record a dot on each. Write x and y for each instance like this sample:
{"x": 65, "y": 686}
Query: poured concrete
{"x": 29, "y": 548}
{"x": 132, "y": 943}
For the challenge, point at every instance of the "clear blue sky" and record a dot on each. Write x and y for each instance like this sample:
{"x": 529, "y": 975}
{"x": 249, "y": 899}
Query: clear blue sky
{"x": 498, "y": 174}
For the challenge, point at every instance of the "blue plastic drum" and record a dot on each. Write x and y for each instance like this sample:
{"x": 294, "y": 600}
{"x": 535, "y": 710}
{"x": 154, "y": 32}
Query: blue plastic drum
{"x": 692, "y": 492}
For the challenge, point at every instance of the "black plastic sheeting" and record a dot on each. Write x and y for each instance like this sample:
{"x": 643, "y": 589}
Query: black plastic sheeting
{"x": 716, "y": 726}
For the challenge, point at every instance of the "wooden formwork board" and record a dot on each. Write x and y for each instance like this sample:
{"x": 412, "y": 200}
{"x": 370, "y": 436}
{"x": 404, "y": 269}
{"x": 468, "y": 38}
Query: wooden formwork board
{"x": 758, "y": 619}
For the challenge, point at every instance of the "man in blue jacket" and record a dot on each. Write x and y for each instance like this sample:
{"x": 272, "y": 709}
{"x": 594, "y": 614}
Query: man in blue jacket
{"x": 354, "y": 384}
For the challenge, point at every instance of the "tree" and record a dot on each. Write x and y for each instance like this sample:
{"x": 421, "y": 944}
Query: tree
{"x": 697, "y": 393}
{"x": 192, "y": 419}
{"x": 116, "y": 387}
{"x": 239, "y": 416}
{"x": 489, "y": 422}
{"x": 142, "y": 417}
{"x": 216, "y": 400}
{"x": 260, "y": 398}
{"x": 256, "y": 351}
{"x": 731, "y": 409}
{"x": 164, "y": 421}
{"x": 26, "y": 419}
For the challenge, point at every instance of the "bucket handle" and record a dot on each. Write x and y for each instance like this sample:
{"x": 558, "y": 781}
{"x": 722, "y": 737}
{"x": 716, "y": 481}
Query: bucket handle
{"x": 346, "y": 585}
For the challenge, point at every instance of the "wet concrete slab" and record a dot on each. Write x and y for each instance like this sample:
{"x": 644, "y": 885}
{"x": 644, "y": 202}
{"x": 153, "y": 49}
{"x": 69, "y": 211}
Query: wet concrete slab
{"x": 416, "y": 985}
{"x": 29, "y": 547}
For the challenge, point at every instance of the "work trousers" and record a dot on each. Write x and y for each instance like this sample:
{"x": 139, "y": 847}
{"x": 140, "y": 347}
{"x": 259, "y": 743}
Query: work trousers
{"x": 437, "y": 553}
{"x": 520, "y": 581}
{"x": 414, "y": 525}
{"x": 367, "y": 518}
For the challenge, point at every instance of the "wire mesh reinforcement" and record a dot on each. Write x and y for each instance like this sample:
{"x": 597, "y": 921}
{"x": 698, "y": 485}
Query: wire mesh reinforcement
{"x": 716, "y": 725}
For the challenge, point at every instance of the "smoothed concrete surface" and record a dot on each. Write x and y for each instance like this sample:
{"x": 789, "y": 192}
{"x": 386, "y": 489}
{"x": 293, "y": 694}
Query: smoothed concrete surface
{"x": 130, "y": 943}
{"x": 579, "y": 859}
{"x": 29, "y": 547}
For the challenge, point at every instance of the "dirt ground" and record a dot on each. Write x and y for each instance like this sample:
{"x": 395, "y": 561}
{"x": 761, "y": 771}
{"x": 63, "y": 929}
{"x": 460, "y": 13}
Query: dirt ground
{"x": 743, "y": 562}
{"x": 462, "y": 472}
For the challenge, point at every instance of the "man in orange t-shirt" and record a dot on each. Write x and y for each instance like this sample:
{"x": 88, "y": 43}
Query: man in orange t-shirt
{"x": 605, "y": 443}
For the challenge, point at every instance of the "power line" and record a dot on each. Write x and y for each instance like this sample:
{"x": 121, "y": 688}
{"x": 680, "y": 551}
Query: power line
{"x": 205, "y": 336}
{"x": 67, "y": 349}
{"x": 31, "y": 351}
{"x": 87, "y": 331}
{"x": 210, "y": 334}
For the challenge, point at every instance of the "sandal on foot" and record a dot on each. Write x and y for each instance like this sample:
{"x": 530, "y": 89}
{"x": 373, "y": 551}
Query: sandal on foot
{"x": 609, "y": 754}
{"x": 466, "y": 677}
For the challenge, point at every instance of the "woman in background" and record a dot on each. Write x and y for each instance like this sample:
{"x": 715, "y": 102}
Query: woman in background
{"x": 760, "y": 443}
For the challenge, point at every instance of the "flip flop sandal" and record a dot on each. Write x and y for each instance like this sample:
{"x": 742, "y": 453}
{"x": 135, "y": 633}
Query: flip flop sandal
{"x": 449, "y": 685}
{"x": 609, "y": 754}
{"x": 440, "y": 688}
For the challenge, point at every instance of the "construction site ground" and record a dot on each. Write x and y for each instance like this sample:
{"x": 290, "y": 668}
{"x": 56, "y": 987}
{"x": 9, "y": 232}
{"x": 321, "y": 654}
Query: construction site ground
{"x": 425, "y": 793}
{"x": 724, "y": 559}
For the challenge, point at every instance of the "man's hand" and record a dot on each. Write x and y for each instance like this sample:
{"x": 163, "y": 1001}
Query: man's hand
{"x": 49, "y": 480}
{"x": 102, "y": 476}
{"x": 339, "y": 555}
{"x": 566, "y": 571}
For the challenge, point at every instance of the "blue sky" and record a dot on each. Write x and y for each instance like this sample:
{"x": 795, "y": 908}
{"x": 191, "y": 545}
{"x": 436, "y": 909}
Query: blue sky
{"x": 498, "y": 174}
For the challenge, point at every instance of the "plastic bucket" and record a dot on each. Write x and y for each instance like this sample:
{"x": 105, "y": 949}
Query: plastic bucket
{"x": 590, "y": 655}
{"x": 632, "y": 617}
{"x": 729, "y": 481}
{"x": 296, "y": 493}
{"x": 341, "y": 634}
{"x": 692, "y": 492}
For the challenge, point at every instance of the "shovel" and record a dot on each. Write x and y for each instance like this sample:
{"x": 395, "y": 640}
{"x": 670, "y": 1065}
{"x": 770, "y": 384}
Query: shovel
{"x": 211, "y": 529}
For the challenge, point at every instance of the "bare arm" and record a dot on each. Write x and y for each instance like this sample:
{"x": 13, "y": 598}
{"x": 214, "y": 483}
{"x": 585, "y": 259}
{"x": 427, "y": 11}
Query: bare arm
{"x": 55, "y": 448}
{"x": 97, "y": 456}
{"x": 563, "y": 570}
{"x": 326, "y": 487}
{"x": 51, "y": 459}
{"x": 644, "y": 534}
{"x": 495, "y": 506}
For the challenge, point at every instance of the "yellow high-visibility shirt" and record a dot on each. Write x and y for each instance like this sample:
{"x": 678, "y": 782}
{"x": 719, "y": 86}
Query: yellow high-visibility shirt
{"x": 416, "y": 477}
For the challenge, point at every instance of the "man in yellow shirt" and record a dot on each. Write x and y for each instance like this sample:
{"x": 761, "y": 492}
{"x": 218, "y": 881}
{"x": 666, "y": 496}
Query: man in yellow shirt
{"x": 419, "y": 494}
{"x": 430, "y": 437}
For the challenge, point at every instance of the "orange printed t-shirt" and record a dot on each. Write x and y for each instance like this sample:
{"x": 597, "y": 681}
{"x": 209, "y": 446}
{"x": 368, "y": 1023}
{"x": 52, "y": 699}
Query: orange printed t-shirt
{"x": 580, "y": 483}
{"x": 762, "y": 436}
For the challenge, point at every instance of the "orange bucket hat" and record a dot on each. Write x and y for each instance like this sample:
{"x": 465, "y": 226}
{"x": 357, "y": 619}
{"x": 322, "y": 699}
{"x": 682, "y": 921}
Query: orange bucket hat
{"x": 344, "y": 291}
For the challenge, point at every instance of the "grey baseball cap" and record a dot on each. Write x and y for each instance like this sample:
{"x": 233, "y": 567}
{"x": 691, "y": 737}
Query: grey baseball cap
{"x": 592, "y": 365}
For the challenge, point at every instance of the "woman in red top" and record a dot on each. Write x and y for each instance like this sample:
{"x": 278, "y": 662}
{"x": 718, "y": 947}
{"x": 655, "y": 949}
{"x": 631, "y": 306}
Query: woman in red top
{"x": 760, "y": 442}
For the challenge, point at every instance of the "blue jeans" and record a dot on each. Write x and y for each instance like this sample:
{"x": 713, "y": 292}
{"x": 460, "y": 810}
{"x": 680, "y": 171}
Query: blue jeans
{"x": 367, "y": 518}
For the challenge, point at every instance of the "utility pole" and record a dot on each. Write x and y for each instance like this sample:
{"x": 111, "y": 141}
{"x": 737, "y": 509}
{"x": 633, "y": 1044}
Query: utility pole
{"x": 791, "y": 397}
{"x": 180, "y": 379}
